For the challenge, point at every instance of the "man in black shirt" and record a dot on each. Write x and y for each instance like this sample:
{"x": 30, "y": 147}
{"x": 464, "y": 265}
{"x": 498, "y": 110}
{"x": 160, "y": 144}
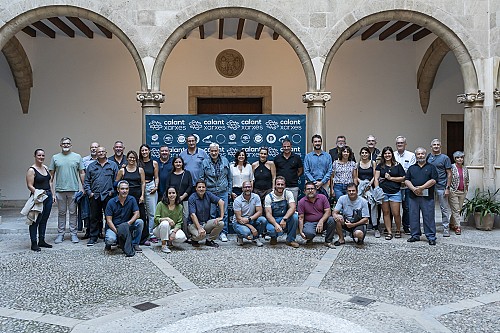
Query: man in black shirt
{"x": 289, "y": 165}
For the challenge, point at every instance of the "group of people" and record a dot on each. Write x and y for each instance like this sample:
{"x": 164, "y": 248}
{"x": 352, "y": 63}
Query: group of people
{"x": 185, "y": 198}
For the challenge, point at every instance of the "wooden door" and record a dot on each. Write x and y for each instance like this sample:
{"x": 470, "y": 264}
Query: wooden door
{"x": 455, "y": 137}
{"x": 230, "y": 105}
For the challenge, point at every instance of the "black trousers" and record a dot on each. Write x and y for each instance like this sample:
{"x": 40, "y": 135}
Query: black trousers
{"x": 97, "y": 208}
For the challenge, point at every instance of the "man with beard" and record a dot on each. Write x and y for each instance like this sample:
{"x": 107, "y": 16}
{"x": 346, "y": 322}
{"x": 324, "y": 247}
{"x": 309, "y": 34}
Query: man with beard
{"x": 406, "y": 158}
{"x": 335, "y": 152}
{"x": 98, "y": 186}
{"x": 315, "y": 216}
{"x": 118, "y": 157}
{"x": 69, "y": 172}
{"x": 193, "y": 158}
{"x": 289, "y": 165}
{"x": 280, "y": 213}
{"x": 248, "y": 222}
{"x": 351, "y": 214}
{"x": 164, "y": 170}
{"x": 420, "y": 179}
{"x": 318, "y": 166}
{"x": 371, "y": 142}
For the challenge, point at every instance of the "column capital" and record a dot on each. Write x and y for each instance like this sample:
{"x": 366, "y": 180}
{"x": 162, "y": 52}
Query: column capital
{"x": 471, "y": 99}
{"x": 316, "y": 98}
{"x": 150, "y": 97}
{"x": 496, "y": 96}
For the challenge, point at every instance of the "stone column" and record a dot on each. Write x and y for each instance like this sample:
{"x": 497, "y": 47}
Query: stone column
{"x": 473, "y": 137}
{"x": 316, "y": 118}
{"x": 151, "y": 104}
{"x": 496, "y": 122}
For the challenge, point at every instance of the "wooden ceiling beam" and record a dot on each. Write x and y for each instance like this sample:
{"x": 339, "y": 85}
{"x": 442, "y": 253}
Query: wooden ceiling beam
{"x": 392, "y": 29}
{"x": 408, "y": 31}
{"x": 373, "y": 29}
{"x": 62, "y": 26}
{"x": 29, "y": 31}
{"x": 221, "y": 28}
{"x": 45, "y": 29}
{"x": 258, "y": 31}
{"x": 275, "y": 35}
{"x": 81, "y": 26}
{"x": 239, "y": 32}
{"x": 202, "y": 31}
{"x": 421, "y": 34}
{"x": 105, "y": 31}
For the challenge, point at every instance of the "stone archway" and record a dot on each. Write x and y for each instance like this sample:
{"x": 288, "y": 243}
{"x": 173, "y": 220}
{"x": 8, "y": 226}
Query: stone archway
{"x": 13, "y": 26}
{"x": 246, "y": 13}
{"x": 448, "y": 36}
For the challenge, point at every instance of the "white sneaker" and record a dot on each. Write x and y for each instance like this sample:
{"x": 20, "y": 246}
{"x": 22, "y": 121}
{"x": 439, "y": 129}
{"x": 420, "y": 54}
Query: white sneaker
{"x": 165, "y": 249}
{"x": 267, "y": 237}
{"x": 239, "y": 241}
{"x": 223, "y": 237}
{"x": 59, "y": 239}
{"x": 258, "y": 242}
{"x": 74, "y": 239}
{"x": 377, "y": 234}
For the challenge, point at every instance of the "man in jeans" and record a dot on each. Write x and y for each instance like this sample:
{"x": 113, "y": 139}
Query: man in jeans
{"x": 280, "y": 214}
{"x": 69, "y": 172}
{"x": 123, "y": 224}
{"x": 443, "y": 166}
{"x": 406, "y": 158}
{"x": 248, "y": 222}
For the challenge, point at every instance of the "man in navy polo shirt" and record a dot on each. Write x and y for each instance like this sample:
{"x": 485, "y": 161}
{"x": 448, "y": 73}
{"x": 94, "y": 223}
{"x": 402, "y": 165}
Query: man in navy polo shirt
{"x": 420, "y": 179}
{"x": 123, "y": 224}
{"x": 199, "y": 222}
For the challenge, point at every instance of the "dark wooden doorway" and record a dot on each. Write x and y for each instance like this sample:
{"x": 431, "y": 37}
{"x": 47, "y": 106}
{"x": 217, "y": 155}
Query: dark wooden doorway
{"x": 455, "y": 137}
{"x": 229, "y": 105}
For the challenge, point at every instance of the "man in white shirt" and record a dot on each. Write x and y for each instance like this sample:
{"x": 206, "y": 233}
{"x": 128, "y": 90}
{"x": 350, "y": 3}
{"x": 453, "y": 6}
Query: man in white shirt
{"x": 406, "y": 158}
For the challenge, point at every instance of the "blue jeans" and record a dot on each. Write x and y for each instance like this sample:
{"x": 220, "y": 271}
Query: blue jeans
{"x": 426, "y": 206}
{"x": 41, "y": 221}
{"x": 243, "y": 231}
{"x": 291, "y": 228}
{"x": 214, "y": 209}
{"x": 445, "y": 207}
{"x": 339, "y": 190}
{"x": 135, "y": 230}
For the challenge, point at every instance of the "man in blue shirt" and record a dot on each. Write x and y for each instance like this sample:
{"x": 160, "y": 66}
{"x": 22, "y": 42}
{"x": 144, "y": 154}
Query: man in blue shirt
{"x": 318, "y": 166}
{"x": 98, "y": 185}
{"x": 123, "y": 224}
{"x": 164, "y": 170}
{"x": 199, "y": 221}
{"x": 193, "y": 157}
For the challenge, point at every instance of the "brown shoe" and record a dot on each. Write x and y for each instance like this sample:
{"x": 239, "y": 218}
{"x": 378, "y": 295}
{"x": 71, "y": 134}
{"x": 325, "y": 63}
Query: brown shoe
{"x": 273, "y": 241}
{"x": 293, "y": 244}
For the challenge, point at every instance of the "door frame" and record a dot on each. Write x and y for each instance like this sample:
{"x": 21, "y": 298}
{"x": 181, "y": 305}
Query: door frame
{"x": 445, "y": 118}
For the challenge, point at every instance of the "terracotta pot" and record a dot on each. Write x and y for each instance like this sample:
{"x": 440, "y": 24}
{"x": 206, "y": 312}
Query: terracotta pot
{"x": 484, "y": 223}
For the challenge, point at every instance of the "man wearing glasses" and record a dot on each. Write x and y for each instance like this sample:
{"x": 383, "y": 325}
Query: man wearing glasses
{"x": 315, "y": 216}
{"x": 289, "y": 165}
{"x": 406, "y": 158}
{"x": 371, "y": 142}
{"x": 248, "y": 222}
{"x": 69, "y": 172}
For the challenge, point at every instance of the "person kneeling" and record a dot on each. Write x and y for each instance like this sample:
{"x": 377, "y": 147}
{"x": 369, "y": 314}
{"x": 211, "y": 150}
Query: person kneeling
{"x": 168, "y": 220}
{"x": 354, "y": 217}
{"x": 199, "y": 216}
{"x": 248, "y": 222}
{"x": 122, "y": 223}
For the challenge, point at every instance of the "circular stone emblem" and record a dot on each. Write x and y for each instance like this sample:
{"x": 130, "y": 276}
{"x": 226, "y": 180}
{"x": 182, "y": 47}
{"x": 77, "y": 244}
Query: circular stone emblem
{"x": 229, "y": 63}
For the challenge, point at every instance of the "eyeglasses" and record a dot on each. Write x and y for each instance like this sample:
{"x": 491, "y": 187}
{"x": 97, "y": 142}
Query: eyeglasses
{"x": 310, "y": 189}
{"x": 247, "y": 186}
{"x": 66, "y": 144}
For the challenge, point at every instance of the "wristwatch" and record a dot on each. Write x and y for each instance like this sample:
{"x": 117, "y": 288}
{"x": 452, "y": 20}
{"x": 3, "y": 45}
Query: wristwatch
{"x": 285, "y": 219}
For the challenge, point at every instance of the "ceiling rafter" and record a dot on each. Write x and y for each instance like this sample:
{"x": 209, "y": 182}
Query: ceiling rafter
{"x": 105, "y": 31}
{"x": 221, "y": 28}
{"x": 373, "y": 29}
{"x": 275, "y": 35}
{"x": 202, "y": 31}
{"x": 421, "y": 34}
{"x": 29, "y": 31}
{"x": 239, "y": 32}
{"x": 258, "y": 31}
{"x": 81, "y": 26}
{"x": 408, "y": 31}
{"x": 62, "y": 26}
{"x": 45, "y": 29}
{"x": 392, "y": 29}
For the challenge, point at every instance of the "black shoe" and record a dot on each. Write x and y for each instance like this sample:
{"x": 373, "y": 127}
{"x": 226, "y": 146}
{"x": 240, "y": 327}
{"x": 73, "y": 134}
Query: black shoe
{"x": 91, "y": 242}
{"x": 42, "y": 243}
{"x": 211, "y": 243}
{"x": 101, "y": 236}
{"x": 413, "y": 239}
{"x": 35, "y": 247}
{"x": 107, "y": 247}
{"x": 86, "y": 236}
{"x": 432, "y": 242}
{"x": 195, "y": 244}
{"x": 137, "y": 248}
{"x": 338, "y": 243}
{"x": 406, "y": 230}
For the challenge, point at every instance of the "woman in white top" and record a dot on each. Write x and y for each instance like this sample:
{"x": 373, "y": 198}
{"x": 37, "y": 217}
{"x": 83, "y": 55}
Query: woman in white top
{"x": 241, "y": 171}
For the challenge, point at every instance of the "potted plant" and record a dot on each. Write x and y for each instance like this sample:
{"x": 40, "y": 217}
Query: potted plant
{"x": 483, "y": 207}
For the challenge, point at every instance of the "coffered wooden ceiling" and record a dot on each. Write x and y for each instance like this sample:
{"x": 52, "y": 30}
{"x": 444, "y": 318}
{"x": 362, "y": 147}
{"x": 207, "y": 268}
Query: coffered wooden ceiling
{"x": 66, "y": 26}
{"x": 392, "y": 30}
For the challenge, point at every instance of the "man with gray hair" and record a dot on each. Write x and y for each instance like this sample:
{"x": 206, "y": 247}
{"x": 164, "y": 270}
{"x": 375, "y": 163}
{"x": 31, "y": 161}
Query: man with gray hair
{"x": 371, "y": 142}
{"x": 420, "y": 179}
{"x": 443, "y": 166}
{"x": 216, "y": 173}
{"x": 406, "y": 158}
